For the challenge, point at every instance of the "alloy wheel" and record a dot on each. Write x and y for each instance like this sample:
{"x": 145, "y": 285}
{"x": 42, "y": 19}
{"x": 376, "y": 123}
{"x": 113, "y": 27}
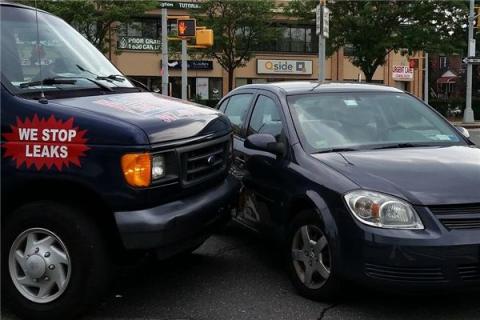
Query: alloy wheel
{"x": 311, "y": 256}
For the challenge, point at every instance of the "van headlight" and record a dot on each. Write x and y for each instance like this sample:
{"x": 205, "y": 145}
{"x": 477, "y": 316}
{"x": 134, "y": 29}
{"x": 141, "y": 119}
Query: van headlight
{"x": 158, "y": 167}
{"x": 383, "y": 211}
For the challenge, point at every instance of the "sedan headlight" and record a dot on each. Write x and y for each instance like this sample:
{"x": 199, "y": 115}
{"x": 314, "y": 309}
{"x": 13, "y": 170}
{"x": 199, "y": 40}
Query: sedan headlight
{"x": 383, "y": 211}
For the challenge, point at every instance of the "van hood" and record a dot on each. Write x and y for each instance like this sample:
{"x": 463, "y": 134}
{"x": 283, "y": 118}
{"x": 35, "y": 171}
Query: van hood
{"x": 161, "y": 118}
{"x": 423, "y": 176}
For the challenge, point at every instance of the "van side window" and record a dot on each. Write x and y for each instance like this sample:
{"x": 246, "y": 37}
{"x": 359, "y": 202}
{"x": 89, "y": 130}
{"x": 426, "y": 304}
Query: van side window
{"x": 266, "y": 118}
{"x": 237, "y": 109}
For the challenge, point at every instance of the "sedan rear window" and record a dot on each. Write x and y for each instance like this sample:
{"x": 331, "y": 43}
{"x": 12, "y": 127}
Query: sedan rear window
{"x": 327, "y": 121}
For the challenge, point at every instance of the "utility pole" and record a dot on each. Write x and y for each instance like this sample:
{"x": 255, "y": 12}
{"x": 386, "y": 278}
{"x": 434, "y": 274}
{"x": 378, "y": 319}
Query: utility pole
{"x": 322, "y": 32}
{"x": 425, "y": 80}
{"x": 184, "y": 69}
{"x": 164, "y": 53}
{"x": 468, "y": 116}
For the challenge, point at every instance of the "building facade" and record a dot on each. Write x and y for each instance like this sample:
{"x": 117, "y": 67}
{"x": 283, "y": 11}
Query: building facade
{"x": 135, "y": 50}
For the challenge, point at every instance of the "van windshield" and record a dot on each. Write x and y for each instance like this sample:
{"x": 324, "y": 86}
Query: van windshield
{"x": 369, "y": 120}
{"x": 57, "y": 53}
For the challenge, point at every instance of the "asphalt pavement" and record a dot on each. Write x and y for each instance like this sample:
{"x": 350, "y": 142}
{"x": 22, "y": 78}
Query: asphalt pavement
{"x": 475, "y": 136}
{"x": 240, "y": 276}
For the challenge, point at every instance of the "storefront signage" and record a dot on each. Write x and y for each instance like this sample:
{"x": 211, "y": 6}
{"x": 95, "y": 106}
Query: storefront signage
{"x": 191, "y": 64}
{"x": 402, "y": 73}
{"x": 302, "y": 67}
{"x": 136, "y": 43}
{"x": 179, "y": 5}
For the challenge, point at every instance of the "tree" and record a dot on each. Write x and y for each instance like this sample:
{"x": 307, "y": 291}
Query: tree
{"x": 94, "y": 18}
{"x": 375, "y": 28}
{"x": 239, "y": 27}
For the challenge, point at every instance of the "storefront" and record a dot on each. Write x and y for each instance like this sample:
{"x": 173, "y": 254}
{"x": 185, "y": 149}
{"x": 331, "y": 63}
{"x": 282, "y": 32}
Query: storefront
{"x": 293, "y": 56}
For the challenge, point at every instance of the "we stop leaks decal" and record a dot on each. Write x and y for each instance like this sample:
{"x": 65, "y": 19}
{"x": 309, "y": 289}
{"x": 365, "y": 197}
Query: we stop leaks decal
{"x": 45, "y": 143}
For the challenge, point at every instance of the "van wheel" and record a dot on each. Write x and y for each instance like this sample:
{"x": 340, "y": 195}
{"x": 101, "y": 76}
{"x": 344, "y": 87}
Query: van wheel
{"x": 54, "y": 261}
{"x": 310, "y": 259}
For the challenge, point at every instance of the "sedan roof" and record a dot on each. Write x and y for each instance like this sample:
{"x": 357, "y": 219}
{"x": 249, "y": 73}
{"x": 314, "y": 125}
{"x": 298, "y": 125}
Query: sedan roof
{"x": 293, "y": 87}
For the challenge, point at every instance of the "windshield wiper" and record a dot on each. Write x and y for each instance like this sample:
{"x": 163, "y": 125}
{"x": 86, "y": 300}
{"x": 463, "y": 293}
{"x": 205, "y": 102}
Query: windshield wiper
{"x": 336, "y": 150}
{"x": 63, "y": 80}
{"x": 401, "y": 145}
{"x": 114, "y": 77}
{"x": 47, "y": 81}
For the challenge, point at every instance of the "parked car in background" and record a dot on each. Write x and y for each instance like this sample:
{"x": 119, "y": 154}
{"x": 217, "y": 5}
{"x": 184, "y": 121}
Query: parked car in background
{"x": 358, "y": 182}
{"x": 94, "y": 167}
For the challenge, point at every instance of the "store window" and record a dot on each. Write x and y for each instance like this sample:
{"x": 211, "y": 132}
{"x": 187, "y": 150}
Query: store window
{"x": 145, "y": 28}
{"x": 300, "y": 39}
{"x": 348, "y": 50}
{"x": 443, "y": 62}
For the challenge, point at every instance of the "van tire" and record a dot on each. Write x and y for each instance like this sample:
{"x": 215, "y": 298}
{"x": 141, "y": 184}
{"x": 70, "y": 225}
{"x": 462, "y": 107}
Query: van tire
{"x": 328, "y": 289}
{"x": 86, "y": 270}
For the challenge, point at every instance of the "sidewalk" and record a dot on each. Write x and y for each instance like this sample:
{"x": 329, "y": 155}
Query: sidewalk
{"x": 475, "y": 125}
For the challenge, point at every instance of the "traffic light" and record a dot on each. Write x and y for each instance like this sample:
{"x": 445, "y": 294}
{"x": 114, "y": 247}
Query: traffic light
{"x": 205, "y": 37}
{"x": 186, "y": 27}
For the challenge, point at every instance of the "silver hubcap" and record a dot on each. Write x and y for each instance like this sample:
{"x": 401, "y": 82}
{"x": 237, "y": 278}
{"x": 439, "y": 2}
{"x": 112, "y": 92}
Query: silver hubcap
{"x": 311, "y": 256}
{"x": 39, "y": 265}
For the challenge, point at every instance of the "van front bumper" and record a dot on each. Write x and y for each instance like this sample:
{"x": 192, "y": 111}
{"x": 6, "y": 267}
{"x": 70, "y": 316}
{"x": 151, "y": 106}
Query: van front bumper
{"x": 180, "y": 223}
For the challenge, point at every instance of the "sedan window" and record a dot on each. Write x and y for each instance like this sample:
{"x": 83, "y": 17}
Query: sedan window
{"x": 266, "y": 118}
{"x": 332, "y": 121}
{"x": 237, "y": 109}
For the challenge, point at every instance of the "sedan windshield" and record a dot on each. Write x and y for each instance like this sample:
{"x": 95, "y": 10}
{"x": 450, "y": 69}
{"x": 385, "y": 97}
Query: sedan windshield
{"x": 56, "y": 56}
{"x": 329, "y": 122}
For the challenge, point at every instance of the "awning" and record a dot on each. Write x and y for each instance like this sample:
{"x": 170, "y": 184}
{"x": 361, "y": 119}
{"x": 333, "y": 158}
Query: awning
{"x": 447, "y": 77}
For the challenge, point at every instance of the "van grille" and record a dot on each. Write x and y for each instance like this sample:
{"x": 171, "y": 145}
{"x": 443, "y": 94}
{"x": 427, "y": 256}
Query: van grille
{"x": 458, "y": 217}
{"x": 204, "y": 161}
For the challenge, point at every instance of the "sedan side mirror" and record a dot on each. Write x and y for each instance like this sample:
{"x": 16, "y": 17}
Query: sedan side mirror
{"x": 265, "y": 142}
{"x": 464, "y": 132}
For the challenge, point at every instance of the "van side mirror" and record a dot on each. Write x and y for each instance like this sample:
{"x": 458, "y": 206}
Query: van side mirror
{"x": 265, "y": 142}
{"x": 464, "y": 132}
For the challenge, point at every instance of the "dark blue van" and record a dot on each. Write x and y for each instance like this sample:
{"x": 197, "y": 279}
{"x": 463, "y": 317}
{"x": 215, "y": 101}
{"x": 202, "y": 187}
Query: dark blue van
{"x": 93, "y": 166}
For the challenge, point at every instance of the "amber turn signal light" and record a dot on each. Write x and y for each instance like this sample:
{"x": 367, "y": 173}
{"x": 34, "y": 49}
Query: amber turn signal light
{"x": 137, "y": 169}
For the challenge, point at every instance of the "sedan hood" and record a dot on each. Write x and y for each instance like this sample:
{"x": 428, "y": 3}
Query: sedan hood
{"x": 161, "y": 118}
{"x": 423, "y": 176}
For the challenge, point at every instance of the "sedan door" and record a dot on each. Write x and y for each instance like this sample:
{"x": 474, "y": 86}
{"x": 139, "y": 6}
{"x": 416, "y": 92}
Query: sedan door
{"x": 264, "y": 182}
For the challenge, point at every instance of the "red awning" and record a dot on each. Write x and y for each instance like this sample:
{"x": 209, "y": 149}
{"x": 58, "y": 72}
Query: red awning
{"x": 446, "y": 80}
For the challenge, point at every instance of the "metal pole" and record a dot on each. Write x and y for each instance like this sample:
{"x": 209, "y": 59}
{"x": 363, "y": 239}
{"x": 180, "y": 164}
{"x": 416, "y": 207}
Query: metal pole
{"x": 425, "y": 80}
{"x": 164, "y": 53}
{"x": 321, "y": 47}
{"x": 468, "y": 116}
{"x": 184, "y": 69}
{"x": 321, "y": 58}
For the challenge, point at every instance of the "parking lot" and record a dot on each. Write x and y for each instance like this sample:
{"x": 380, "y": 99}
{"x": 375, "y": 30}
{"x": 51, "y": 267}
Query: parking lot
{"x": 475, "y": 135}
{"x": 238, "y": 275}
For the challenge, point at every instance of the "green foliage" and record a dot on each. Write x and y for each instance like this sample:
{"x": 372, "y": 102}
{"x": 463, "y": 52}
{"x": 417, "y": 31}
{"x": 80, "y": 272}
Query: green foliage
{"x": 375, "y": 28}
{"x": 239, "y": 27}
{"x": 442, "y": 105}
{"x": 94, "y": 18}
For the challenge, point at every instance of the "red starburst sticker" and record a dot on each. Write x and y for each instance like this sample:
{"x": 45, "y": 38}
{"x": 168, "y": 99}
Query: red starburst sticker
{"x": 45, "y": 143}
